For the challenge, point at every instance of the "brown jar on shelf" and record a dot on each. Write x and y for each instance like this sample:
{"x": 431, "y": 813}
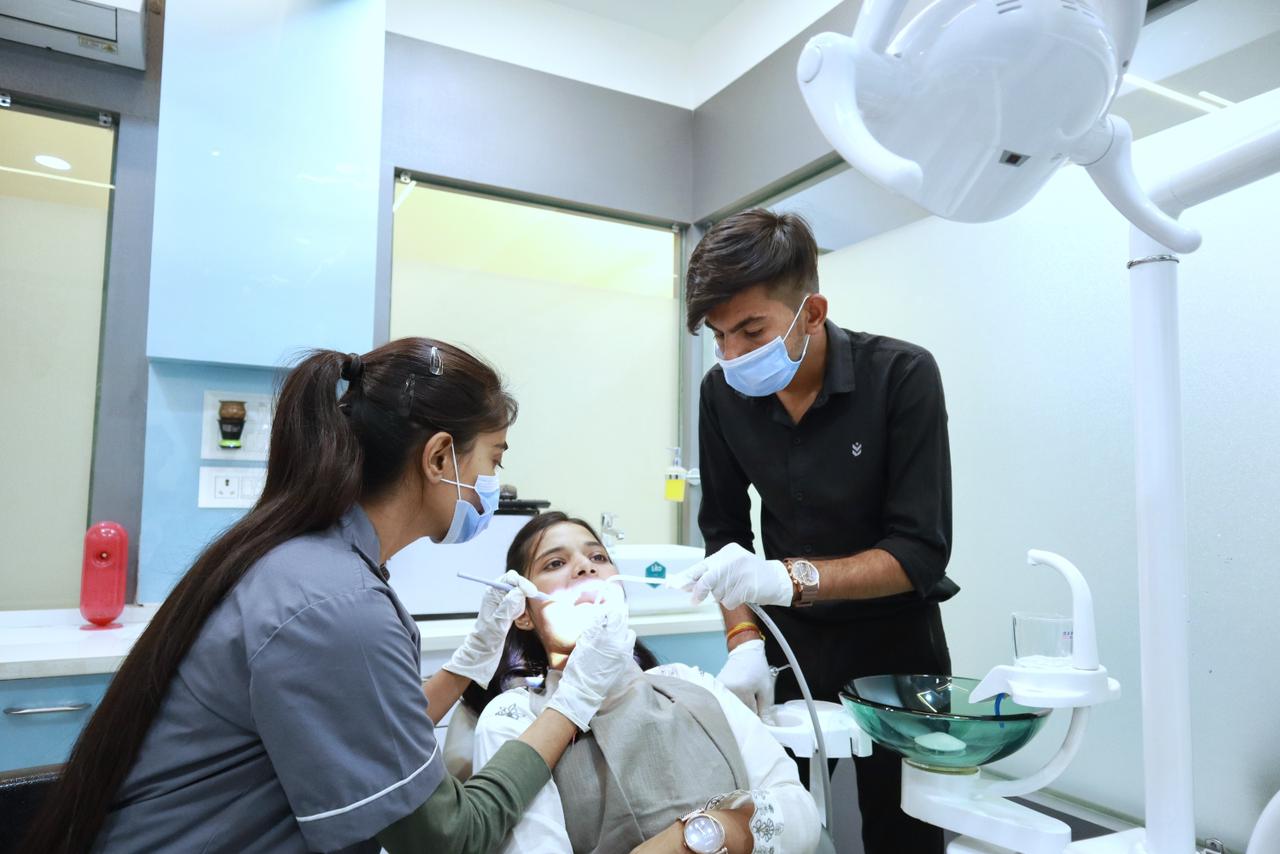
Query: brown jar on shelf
{"x": 231, "y": 415}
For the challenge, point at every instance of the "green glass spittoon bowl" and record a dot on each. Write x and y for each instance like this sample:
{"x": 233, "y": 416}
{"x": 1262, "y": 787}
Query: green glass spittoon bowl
{"x": 934, "y": 724}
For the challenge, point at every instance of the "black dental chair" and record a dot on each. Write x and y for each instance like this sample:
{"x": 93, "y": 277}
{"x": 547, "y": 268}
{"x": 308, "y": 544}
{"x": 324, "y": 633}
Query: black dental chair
{"x": 21, "y": 792}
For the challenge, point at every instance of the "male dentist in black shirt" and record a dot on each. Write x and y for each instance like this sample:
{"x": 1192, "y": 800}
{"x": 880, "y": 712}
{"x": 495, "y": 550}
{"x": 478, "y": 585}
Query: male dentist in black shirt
{"x": 844, "y": 436}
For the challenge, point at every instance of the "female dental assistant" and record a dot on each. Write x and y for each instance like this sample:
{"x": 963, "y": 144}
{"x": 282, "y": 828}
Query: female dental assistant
{"x": 274, "y": 702}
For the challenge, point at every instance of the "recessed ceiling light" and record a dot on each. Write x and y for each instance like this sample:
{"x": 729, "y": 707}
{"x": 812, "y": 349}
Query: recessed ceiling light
{"x": 50, "y": 162}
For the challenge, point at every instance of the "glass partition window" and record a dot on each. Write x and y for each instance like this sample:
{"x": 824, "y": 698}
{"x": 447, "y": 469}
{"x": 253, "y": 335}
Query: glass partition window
{"x": 580, "y": 315}
{"x": 55, "y": 193}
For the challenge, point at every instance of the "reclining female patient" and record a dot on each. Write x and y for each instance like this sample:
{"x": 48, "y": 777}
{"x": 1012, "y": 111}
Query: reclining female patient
{"x": 669, "y": 740}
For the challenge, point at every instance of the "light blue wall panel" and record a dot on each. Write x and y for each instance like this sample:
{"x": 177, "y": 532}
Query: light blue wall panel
{"x": 266, "y": 206}
{"x": 174, "y": 529}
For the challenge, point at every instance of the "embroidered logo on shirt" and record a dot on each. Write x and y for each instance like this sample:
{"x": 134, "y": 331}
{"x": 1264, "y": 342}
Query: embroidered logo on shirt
{"x": 509, "y": 711}
{"x": 857, "y": 449}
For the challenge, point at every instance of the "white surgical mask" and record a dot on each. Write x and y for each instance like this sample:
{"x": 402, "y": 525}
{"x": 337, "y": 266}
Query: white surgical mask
{"x": 765, "y": 370}
{"x": 467, "y": 521}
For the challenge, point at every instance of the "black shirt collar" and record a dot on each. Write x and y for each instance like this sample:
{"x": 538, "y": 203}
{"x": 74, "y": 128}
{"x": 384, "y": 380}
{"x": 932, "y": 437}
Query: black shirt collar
{"x": 838, "y": 376}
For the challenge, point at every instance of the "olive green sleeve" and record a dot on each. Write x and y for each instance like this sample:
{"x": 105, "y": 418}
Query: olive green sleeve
{"x": 472, "y": 817}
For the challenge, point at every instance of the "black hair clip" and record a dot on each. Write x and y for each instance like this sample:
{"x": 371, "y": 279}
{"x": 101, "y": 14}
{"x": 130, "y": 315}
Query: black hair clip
{"x": 406, "y": 396}
{"x": 436, "y": 364}
{"x": 352, "y": 367}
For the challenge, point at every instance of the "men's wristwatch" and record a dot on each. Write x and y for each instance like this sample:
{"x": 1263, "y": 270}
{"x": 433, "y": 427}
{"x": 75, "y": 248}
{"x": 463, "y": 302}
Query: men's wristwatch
{"x": 804, "y": 582}
{"x": 703, "y": 833}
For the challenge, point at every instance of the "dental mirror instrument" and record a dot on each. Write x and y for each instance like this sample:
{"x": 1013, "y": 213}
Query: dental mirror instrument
{"x": 504, "y": 587}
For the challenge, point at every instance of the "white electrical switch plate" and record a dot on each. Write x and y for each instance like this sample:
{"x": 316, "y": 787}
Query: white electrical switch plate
{"x": 230, "y": 487}
{"x": 256, "y": 438}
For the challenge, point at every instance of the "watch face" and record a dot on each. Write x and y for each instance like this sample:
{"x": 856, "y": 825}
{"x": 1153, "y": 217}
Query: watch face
{"x": 703, "y": 834}
{"x": 806, "y": 573}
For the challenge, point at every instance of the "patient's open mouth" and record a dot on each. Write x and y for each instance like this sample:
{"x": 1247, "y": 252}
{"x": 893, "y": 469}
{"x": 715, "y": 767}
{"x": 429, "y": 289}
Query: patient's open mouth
{"x": 590, "y": 592}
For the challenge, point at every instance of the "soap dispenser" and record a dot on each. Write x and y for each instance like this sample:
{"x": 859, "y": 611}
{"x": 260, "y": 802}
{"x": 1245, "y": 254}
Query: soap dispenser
{"x": 677, "y": 475}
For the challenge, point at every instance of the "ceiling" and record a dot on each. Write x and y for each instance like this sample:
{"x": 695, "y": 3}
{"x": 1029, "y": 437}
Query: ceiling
{"x": 679, "y": 52}
{"x": 1236, "y": 75}
{"x": 683, "y": 21}
{"x": 844, "y": 207}
{"x": 87, "y": 147}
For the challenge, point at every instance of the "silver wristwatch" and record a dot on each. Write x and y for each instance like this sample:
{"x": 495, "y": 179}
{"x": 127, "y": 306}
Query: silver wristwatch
{"x": 703, "y": 833}
{"x": 804, "y": 580}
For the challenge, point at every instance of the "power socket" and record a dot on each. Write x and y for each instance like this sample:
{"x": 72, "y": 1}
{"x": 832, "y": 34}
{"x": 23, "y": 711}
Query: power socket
{"x": 230, "y": 486}
{"x": 226, "y": 487}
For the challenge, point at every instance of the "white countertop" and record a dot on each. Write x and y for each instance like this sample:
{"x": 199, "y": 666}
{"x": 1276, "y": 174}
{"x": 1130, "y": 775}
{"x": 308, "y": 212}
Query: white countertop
{"x": 35, "y": 644}
{"x": 39, "y": 644}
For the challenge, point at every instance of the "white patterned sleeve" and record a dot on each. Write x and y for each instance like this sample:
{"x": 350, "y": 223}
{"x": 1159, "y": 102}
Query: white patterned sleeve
{"x": 541, "y": 829}
{"x": 785, "y": 820}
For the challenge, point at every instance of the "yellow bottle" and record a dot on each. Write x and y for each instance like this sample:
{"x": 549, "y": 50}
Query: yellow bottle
{"x": 676, "y": 478}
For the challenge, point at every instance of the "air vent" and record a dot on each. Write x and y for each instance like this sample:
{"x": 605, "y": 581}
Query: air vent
{"x": 1003, "y": 6}
{"x": 1079, "y": 6}
{"x": 1013, "y": 158}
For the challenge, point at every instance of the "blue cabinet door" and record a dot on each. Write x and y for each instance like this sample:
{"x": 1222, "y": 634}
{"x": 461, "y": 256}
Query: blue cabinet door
{"x": 42, "y": 718}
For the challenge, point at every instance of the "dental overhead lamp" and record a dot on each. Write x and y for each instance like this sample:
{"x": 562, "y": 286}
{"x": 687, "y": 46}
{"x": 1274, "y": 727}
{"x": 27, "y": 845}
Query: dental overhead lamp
{"x": 967, "y": 111}
{"x": 973, "y": 106}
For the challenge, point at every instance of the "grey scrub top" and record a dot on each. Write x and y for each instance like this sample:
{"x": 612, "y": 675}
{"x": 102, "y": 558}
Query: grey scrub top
{"x": 297, "y": 720}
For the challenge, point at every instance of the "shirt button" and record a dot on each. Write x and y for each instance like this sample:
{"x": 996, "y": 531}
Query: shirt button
{"x": 797, "y": 441}
{"x": 799, "y": 497}
{"x": 808, "y": 550}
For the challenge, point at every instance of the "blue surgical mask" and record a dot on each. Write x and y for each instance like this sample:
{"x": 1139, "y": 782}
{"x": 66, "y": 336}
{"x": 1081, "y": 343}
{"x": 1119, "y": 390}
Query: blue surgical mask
{"x": 765, "y": 370}
{"x": 467, "y": 521}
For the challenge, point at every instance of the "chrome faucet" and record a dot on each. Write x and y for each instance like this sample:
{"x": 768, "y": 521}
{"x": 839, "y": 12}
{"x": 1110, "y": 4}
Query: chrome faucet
{"x": 610, "y": 533}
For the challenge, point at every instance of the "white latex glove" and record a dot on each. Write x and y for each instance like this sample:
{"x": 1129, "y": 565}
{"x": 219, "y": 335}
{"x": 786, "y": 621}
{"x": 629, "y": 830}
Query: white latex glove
{"x": 477, "y": 658}
{"x": 747, "y": 675}
{"x": 602, "y": 656}
{"x": 734, "y": 576}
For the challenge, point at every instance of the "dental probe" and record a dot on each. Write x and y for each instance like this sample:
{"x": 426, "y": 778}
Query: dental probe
{"x": 504, "y": 587}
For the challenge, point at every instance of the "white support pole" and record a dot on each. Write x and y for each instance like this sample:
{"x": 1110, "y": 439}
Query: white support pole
{"x": 1162, "y": 562}
{"x": 1162, "y": 540}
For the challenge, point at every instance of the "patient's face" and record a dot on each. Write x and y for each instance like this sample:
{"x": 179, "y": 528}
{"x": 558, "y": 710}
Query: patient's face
{"x": 571, "y": 565}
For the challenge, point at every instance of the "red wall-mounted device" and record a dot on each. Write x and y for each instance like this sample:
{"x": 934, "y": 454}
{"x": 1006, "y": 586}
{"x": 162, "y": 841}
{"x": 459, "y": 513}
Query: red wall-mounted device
{"x": 103, "y": 575}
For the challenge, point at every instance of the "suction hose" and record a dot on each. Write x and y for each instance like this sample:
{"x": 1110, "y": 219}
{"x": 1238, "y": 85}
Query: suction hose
{"x": 818, "y": 735}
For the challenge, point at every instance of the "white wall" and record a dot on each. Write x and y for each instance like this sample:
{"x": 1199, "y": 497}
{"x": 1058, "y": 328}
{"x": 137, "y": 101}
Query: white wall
{"x": 1029, "y": 321}
{"x": 51, "y": 280}
{"x": 569, "y": 42}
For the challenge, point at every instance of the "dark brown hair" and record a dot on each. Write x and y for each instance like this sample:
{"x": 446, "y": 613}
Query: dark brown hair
{"x": 327, "y": 452}
{"x": 751, "y": 248}
{"x": 524, "y": 655}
